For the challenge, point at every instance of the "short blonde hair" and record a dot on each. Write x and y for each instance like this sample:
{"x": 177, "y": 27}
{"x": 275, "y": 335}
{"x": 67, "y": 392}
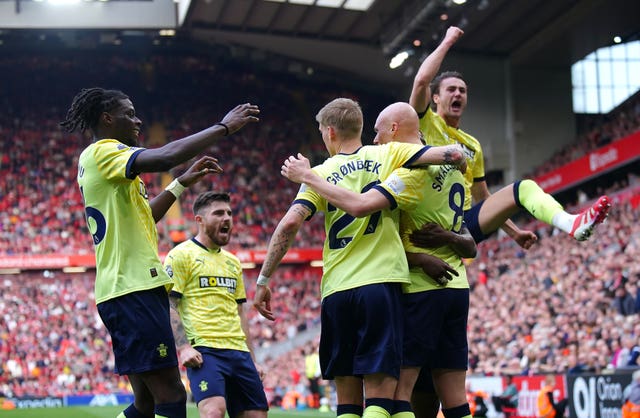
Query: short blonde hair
{"x": 343, "y": 115}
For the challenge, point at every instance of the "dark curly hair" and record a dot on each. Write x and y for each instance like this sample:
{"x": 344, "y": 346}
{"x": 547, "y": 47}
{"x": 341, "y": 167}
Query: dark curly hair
{"x": 87, "y": 107}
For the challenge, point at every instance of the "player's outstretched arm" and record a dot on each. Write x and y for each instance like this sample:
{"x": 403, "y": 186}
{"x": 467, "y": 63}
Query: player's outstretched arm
{"x": 181, "y": 150}
{"x": 187, "y": 355}
{"x": 161, "y": 203}
{"x": 279, "y": 244}
{"x": 298, "y": 169}
{"x": 446, "y": 154}
{"x": 421, "y": 93}
{"x": 432, "y": 235}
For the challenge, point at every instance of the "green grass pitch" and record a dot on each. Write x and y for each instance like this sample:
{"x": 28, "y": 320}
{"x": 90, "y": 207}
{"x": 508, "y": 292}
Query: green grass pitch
{"x": 113, "y": 411}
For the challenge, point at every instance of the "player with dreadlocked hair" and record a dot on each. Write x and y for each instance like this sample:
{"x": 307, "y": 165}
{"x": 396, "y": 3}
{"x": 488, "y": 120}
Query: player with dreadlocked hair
{"x": 131, "y": 285}
{"x": 87, "y": 106}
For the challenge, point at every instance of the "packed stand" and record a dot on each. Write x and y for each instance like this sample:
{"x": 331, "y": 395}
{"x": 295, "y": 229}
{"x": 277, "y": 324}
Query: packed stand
{"x": 53, "y": 343}
{"x": 601, "y": 130}
{"x": 562, "y": 305}
{"x": 41, "y": 209}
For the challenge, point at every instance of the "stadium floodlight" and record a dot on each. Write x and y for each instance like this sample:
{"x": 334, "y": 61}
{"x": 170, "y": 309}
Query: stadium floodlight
{"x": 330, "y": 3}
{"x": 361, "y": 5}
{"x": 357, "y": 5}
{"x": 398, "y": 59}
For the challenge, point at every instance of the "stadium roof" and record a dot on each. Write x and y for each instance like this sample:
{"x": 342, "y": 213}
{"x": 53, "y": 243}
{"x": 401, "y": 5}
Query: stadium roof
{"x": 540, "y": 33}
{"x": 529, "y": 32}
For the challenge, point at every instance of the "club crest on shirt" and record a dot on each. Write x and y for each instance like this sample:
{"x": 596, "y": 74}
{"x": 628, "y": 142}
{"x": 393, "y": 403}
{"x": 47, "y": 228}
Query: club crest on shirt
{"x": 233, "y": 268}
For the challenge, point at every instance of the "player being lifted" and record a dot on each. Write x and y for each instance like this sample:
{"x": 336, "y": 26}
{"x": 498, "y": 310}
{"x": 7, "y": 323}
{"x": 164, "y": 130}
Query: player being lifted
{"x": 440, "y": 102}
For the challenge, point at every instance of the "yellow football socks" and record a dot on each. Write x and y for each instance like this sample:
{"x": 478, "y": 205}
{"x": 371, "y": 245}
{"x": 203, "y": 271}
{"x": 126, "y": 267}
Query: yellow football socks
{"x": 543, "y": 206}
{"x": 375, "y": 411}
{"x": 403, "y": 414}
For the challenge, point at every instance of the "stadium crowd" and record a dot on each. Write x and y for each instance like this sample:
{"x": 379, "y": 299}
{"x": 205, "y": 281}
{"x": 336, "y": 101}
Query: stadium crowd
{"x": 41, "y": 208}
{"x": 531, "y": 311}
{"x": 600, "y": 131}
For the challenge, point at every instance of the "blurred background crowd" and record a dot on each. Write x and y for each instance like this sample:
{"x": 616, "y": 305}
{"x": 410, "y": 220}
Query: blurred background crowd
{"x": 562, "y": 306}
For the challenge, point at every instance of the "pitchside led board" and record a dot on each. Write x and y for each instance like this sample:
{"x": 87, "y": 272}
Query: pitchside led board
{"x": 590, "y": 395}
{"x": 93, "y": 14}
{"x": 597, "y": 396}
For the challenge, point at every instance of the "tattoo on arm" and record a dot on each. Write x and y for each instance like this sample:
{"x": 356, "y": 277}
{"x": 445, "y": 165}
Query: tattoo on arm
{"x": 448, "y": 157}
{"x": 176, "y": 323}
{"x": 281, "y": 241}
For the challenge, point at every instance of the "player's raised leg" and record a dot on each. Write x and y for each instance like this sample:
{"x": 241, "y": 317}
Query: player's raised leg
{"x": 526, "y": 194}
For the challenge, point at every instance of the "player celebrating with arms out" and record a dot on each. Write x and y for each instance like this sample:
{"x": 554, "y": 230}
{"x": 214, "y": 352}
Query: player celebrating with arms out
{"x": 131, "y": 285}
{"x": 447, "y": 93}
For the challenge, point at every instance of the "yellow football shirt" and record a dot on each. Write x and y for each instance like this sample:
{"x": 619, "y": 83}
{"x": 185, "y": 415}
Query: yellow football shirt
{"x": 120, "y": 221}
{"x": 441, "y": 202}
{"x": 368, "y": 250}
{"x": 436, "y": 133}
{"x": 210, "y": 285}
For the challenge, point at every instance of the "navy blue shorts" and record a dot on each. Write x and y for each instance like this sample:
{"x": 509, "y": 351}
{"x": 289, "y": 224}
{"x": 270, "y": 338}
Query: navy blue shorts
{"x": 362, "y": 331}
{"x": 435, "y": 325}
{"x": 140, "y": 331}
{"x": 230, "y": 374}
{"x": 473, "y": 224}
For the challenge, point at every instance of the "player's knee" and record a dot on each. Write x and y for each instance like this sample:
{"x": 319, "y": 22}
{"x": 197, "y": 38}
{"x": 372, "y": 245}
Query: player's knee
{"x": 172, "y": 392}
{"x": 214, "y": 407}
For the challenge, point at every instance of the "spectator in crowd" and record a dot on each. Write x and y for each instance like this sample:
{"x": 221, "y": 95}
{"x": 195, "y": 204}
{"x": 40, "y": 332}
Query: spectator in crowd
{"x": 623, "y": 302}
